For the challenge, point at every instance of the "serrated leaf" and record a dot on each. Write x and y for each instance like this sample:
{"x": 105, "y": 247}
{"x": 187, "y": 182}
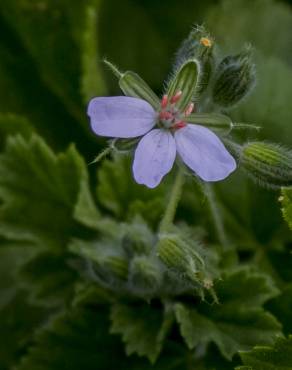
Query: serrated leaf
{"x": 49, "y": 278}
{"x": 12, "y": 124}
{"x": 277, "y": 357}
{"x": 238, "y": 322}
{"x": 281, "y": 307}
{"x": 40, "y": 192}
{"x": 143, "y": 328}
{"x": 45, "y": 201}
{"x": 12, "y": 257}
{"x": 18, "y": 322}
{"x": 75, "y": 340}
{"x": 118, "y": 192}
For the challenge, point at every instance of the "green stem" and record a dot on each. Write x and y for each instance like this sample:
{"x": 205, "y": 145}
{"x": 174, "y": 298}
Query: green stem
{"x": 215, "y": 213}
{"x": 229, "y": 253}
{"x": 173, "y": 201}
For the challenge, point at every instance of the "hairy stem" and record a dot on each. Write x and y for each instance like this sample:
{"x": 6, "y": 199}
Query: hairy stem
{"x": 173, "y": 201}
{"x": 214, "y": 211}
{"x": 230, "y": 255}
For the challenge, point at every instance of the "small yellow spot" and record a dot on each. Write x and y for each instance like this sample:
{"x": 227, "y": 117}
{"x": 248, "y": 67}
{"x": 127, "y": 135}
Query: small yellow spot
{"x": 281, "y": 198}
{"x": 206, "y": 42}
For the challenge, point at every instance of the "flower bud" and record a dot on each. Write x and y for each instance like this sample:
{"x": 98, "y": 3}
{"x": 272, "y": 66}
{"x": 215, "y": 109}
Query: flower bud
{"x": 181, "y": 257}
{"x": 200, "y": 46}
{"x": 234, "y": 79}
{"x": 111, "y": 269}
{"x": 138, "y": 239}
{"x": 268, "y": 164}
{"x": 145, "y": 274}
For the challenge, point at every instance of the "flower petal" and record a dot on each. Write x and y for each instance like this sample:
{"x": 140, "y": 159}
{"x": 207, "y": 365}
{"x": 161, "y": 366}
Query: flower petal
{"x": 120, "y": 116}
{"x": 154, "y": 157}
{"x": 204, "y": 153}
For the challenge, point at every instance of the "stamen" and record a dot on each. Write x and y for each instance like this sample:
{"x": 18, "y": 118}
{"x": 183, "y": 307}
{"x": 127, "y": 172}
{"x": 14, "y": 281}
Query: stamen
{"x": 164, "y": 101}
{"x": 175, "y": 98}
{"x": 165, "y": 115}
{"x": 189, "y": 109}
{"x": 206, "y": 42}
{"x": 178, "y": 125}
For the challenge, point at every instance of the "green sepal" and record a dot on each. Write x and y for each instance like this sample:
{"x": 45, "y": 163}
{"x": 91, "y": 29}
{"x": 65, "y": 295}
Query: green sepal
{"x": 215, "y": 121}
{"x": 187, "y": 81}
{"x": 268, "y": 164}
{"x": 193, "y": 48}
{"x": 124, "y": 145}
{"x": 133, "y": 85}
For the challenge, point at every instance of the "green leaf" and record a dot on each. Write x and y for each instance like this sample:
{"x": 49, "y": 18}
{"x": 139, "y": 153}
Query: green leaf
{"x": 281, "y": 307}
{"x": 238, "y": 322}
{"x": 75, "y": 340}
{"x": 53, "y": 34}
{"x": 186, "y": 80}
{"x": 143, "y": 328}
{"x": 45, "y": 202}
{"x": 287, "y": 206}
{"x": 118, "y": 192}
{"x": 40, "y": 192}
{"x": 18, "y": 322}
{"x": 133, "y": 85}
{"x": 12, "y": 257}
{"x": 12, "y": 124}
{"x": 49, "y": 278}
{"x": 278, "y": 357}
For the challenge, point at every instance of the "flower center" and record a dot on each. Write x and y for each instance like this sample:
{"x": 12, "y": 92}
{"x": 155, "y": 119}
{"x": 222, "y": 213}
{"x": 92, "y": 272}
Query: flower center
{"x": 169, "y": 116}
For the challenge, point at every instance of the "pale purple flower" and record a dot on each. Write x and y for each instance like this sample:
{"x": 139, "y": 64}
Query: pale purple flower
{"x": 166, "y": 135}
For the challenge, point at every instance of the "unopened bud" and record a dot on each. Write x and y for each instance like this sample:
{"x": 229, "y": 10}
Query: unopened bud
{"x": 181, "y": 257}
{"x": 145, "y": 274}
{"x": 268, "y": 164}
{"x": 234, "y": 79}
{"x": 198, "y": 45}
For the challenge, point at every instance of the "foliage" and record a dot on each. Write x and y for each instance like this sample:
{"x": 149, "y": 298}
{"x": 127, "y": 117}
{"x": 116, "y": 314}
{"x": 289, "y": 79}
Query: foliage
{"x": 89, "y": 277}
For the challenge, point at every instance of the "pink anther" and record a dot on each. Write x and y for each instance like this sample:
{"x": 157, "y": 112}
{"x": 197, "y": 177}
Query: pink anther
{"x": 175, "y": 98}
{"x": 178, "y": 125}
{"x": 165, "y": 115}
{"x": 189, "y": 109}
{"x": 164, "y": 101}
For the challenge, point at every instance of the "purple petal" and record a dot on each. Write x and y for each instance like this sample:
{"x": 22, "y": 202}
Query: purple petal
{"x": 154, "y": 157}
{"x": 204, "y": 153}
{"x": 120, "y": 116}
